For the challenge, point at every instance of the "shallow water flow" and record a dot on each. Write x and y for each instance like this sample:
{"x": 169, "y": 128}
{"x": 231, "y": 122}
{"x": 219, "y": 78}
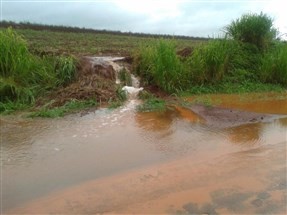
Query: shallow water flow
{"x": 123, "y": 161}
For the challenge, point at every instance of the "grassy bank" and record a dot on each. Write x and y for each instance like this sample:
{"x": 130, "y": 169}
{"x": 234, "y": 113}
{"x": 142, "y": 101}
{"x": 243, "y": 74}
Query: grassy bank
{"x": 248, "y": 59}
{"x": 35, "y": 63}
{"x": 24, "y": 76}
{"x": 236, "y": 63}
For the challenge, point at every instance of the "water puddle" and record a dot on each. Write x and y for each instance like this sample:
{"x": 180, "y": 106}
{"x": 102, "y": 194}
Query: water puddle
{"x": 122, "y": 161}
{"x": 272, "y": 103}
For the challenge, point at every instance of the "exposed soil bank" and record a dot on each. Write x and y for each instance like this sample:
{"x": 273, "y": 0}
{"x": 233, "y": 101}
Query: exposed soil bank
{"x": 96, "y": 78}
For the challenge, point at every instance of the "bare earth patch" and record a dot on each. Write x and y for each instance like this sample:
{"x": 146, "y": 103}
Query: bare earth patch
{"x": 225, "y": 117}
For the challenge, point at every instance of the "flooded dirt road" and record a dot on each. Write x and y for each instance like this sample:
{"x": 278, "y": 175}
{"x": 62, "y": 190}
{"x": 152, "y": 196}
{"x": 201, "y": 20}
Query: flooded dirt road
{"x": 121, "y": 161}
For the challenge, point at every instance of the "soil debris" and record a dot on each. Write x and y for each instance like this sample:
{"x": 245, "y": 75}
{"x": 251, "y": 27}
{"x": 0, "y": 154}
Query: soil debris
{"x": 225, "y": 117}
{"x": 187, "y": 51}
{"x": 93, "y": 81}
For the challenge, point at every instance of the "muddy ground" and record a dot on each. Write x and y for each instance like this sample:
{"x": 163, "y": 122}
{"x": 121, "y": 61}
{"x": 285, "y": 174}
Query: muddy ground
{"x": 192, "y": 159}
{"x": 97, "y": 80}
{"x": 219, "y": 117}
{"x": 181, "y": 187}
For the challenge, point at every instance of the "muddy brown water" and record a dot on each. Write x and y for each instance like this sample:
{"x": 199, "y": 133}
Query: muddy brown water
{"x": 121, "y": 161}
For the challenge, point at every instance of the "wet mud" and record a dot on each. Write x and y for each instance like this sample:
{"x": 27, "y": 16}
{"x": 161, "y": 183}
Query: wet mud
{"x": 228, "y": 184}
{"x": 228, "y": 159}
{"x": 225, "y": 117}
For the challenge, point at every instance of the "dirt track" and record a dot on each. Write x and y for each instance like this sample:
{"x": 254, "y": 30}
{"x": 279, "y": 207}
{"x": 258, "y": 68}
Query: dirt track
{"x": 180, "y": 187}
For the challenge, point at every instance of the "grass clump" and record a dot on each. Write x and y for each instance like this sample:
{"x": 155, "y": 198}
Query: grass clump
{"x": 157, "y": 63}
{"x": 24, "y": 76}
{"x": 10, "y": 107}
{"x": 273, "y": 68}
{"x": 248, "y": 59}
{"x": 125, "y": 77}
{"x": 69, "y": 107}
{"x": 212, "y": 62}
{"x": 252, "y": 28}
{"x": 121, "y": 97}
{"x": 65, "y": 68}
{"x": 152, "y": 104}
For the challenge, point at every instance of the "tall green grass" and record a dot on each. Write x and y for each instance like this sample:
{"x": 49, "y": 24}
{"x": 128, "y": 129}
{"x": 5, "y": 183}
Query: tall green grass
{"x": 158, "y": 64}
{"x": 218, "y": 65}
{"x": 273, "y": 67}
{"x": 169, "y": 73}
{"x": 24, "y": 76}
{"x": 249, "y": 54}
{"x": 65, "y": 68}
{"x": 253, "y": 28}
{"x": 21, "y": 73}
{"x": 212, "y": 62}
{"x": 125, "y": 77}
{"x": 144, "y": 60}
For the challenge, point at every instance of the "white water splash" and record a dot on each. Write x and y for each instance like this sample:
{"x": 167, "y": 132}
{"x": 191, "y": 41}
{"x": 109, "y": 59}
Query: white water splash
{"x": 131, "y": 91}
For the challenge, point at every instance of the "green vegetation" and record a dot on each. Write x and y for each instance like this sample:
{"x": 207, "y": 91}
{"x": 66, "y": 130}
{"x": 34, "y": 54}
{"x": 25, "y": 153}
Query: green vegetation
{"x": 65, "y": 68}
{"x": 24, "y": 76}
{"x": 273, "y": 67}
{"x": 231, "y": 87}
{"x": 256, "y": 29}
{"x": 35, "y": 63}
{"x": 121, "y": 97}
{"x": 158, "y": 64}
{"x": 69, "y": 107}
{"x": 125, "y": 77}
{"x": 10, "y": 107}
{"x": 152, "y": 104}
{"x": 248, "y": 59}
{"x": 47, "y": 41}
{"x": 212, "y": 62}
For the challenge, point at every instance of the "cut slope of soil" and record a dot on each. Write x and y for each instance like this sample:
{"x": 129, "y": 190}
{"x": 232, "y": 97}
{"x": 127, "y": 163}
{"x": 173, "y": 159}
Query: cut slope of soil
{"x": 93, "y": 81}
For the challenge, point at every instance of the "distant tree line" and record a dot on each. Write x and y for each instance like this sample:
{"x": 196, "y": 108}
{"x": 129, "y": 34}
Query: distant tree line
{"x": 61, "y": 28}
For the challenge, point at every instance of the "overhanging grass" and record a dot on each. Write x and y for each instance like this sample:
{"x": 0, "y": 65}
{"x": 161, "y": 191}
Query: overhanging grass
{"x": 24, "y": 76}
{"x": 157, "y": 63}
